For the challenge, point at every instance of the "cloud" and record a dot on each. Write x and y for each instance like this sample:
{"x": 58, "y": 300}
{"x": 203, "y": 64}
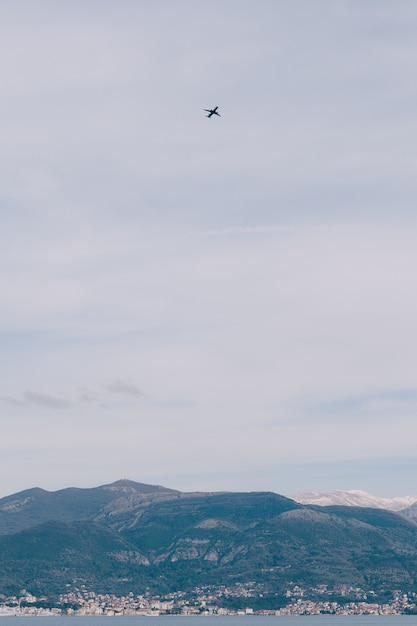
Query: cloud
{"x": 12, "y": 401}
{"x": 121, "y": 387}
{"x": 86, "y": 395}
{"x": 372, "y": 406}
{"x": 34, "y": 398}
{"x": 46, "y": 400}
{"x": 79, "y": 397}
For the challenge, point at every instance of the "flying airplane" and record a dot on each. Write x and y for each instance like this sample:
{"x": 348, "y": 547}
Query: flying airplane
{"x": 212, "y": 112}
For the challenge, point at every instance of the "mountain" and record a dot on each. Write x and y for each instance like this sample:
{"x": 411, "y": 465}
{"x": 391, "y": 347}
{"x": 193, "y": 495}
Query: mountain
{"x": 56, "y": 556}
{"x": 354, "y": 498}
{"x": 34, "y": 506}
{"x": 129, "y": 537}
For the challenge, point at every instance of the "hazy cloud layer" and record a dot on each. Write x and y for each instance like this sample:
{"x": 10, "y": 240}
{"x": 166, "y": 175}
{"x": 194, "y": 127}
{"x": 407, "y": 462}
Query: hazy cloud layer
{"x": 79, "y": 396}
{"x": 208, "y": 303}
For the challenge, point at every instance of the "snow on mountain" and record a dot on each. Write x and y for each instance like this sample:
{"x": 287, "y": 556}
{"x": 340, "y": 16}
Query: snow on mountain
{"x": 353, "y": 497}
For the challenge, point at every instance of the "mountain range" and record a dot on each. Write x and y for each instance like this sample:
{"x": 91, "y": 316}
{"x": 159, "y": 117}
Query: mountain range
{"x": 132, "y": 537}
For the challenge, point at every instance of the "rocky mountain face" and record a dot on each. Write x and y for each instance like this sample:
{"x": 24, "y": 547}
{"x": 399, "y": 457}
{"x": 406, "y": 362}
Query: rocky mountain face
{"x": 132, "y": 537}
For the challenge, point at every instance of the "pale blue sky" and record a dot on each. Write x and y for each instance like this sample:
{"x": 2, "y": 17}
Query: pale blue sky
{"x": 207, "y": 304}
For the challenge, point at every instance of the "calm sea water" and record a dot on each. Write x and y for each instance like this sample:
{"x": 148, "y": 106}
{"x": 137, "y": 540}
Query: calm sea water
{"x": 229, "y": 620}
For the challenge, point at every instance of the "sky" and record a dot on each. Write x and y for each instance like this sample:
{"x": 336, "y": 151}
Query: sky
{"x": 208, "y": 304}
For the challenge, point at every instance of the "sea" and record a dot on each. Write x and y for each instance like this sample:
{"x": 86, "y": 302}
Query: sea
{"x": 228, "y": 620}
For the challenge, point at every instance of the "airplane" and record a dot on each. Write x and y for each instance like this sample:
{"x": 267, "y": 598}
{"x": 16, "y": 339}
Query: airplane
{"x": 212, "y": 112}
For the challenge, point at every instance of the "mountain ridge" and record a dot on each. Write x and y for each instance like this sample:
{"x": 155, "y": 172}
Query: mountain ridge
{"x": 130, "y": 537}
{"x": 33, "y": 506}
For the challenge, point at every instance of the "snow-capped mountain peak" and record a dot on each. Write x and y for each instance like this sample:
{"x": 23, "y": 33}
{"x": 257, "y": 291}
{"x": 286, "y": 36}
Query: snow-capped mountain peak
{"x": 353, "y": 497}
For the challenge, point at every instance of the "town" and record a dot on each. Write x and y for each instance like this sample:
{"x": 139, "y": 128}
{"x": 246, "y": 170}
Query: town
{"x": 215, "y": 600}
